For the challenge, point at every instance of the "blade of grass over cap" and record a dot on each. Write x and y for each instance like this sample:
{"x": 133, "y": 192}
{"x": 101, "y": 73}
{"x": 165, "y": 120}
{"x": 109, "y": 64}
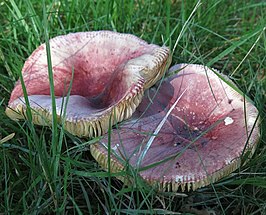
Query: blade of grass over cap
{"x": 150, "y": 141}
{"x": 50, "y": 72}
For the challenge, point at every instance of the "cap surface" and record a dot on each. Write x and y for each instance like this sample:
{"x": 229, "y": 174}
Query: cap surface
{"x": 111, "y": 71}
{"x": 201, "y": 141}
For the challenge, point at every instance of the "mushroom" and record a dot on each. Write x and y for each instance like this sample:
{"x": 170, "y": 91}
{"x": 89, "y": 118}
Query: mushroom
{"x": 209, "y": 129}
{"x": 111, "y": 71}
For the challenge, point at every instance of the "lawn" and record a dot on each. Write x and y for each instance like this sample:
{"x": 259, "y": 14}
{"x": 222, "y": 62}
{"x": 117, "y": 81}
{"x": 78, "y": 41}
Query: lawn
{"x": 44, "y": 170}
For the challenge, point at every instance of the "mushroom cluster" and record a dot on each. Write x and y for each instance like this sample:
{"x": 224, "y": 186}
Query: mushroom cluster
{"x": 188, "y": 131}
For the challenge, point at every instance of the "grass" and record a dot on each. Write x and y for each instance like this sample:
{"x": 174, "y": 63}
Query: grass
{"x": 43, "y": 170}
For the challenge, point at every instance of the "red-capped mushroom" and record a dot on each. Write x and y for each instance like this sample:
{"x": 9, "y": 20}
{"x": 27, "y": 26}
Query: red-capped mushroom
{"x": 202, "y": 140}
{"x": 111, "y": 71}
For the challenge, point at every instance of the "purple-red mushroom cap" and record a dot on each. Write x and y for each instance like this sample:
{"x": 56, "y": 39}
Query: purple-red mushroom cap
{"x": 111, "y": 71}
{"x": 202, "y": 140}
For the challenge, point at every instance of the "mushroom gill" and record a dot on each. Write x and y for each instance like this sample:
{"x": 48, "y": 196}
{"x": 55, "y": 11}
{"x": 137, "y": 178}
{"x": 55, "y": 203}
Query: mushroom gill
{"x": 202, "y": 140}
{"x": 111, "y": 71}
